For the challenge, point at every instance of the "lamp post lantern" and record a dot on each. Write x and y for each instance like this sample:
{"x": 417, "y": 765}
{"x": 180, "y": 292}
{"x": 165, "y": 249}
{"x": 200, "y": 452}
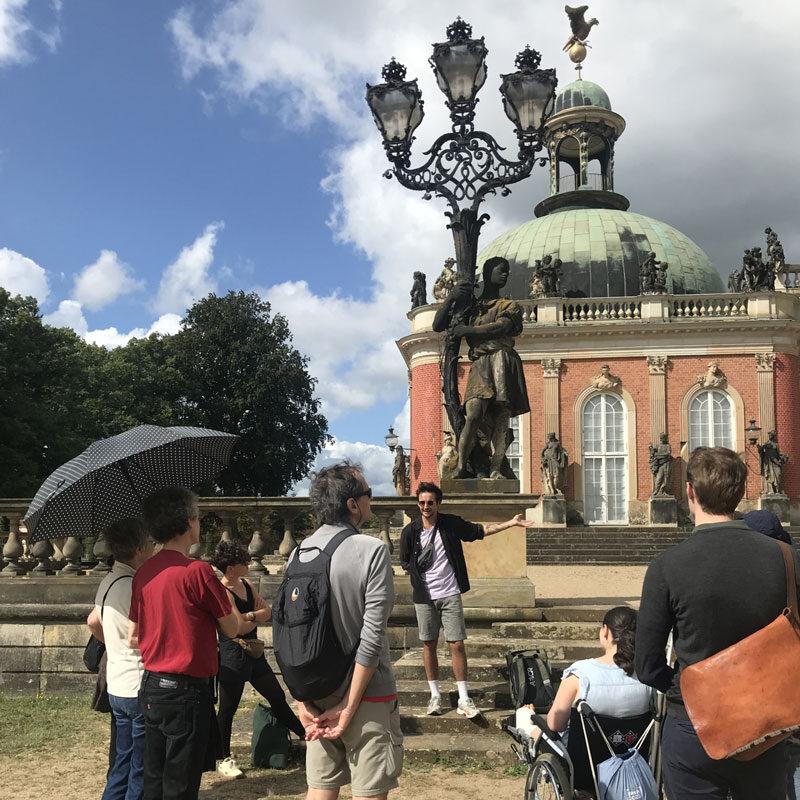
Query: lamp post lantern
{"x": 464, "y": 165}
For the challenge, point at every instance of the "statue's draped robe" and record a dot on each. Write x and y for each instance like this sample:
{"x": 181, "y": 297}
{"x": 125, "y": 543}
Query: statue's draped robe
{"x": 496, "y": 372}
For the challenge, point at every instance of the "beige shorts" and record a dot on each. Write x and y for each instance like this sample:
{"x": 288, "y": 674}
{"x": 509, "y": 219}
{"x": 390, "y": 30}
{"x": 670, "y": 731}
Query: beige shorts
{"x": 368, "y": 756}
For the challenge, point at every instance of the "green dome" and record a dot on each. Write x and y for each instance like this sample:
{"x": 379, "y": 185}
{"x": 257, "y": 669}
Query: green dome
{"x": 582, "y": 93}
{"x": 601, "y": 249}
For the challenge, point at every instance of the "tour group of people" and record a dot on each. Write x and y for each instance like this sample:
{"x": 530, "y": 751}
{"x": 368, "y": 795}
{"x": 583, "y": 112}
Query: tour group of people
{"x": 171, "y": 626}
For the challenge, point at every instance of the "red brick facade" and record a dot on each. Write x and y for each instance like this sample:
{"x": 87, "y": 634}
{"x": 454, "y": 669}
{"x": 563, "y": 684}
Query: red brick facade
{"x": 680, "y": 381}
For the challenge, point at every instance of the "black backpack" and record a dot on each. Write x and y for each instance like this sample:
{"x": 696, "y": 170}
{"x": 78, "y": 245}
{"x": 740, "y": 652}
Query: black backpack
{"x": 529, "y": 679}
{"x": 307, "y": 649}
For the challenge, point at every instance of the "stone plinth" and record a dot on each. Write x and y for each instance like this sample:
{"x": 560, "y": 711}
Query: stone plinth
{"x": 663, "y": 511}
{"x": 480, "y": 486}
{"x": 551, "y": 512}
{"x": 778, "y": 504}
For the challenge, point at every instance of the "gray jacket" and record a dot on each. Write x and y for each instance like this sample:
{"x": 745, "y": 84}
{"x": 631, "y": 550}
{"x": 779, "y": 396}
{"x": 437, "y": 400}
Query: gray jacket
{"x": 362, "y": 589}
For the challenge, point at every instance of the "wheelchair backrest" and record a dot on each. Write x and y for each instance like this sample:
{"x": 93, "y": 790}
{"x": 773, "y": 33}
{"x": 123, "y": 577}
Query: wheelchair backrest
{"x": 621, "y": 733}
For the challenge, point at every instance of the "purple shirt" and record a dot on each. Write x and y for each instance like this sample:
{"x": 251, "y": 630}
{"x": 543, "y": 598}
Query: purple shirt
{"x": 440, "y": 578}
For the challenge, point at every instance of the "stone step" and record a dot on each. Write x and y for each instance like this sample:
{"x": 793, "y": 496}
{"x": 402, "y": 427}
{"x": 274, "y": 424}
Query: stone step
{"x": 415, "y": 721}
{"x": 490, "y": 695}
{"x": 576, "y": 613}
{"x": 545, "y": 630}
{"x": 482, "y": 748}
{"x": 480, "y": 669}
{"x": 557, "y": 649}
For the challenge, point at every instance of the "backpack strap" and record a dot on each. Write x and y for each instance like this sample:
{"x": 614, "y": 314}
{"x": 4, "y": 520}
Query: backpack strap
{"x": 791, "y": 579}
{"x": 334, "y": 543}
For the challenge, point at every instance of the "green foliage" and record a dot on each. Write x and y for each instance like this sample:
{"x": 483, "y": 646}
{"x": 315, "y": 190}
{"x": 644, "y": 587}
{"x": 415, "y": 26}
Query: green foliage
{"x": 240, "y": 374}
{"x": 232, "y": 367}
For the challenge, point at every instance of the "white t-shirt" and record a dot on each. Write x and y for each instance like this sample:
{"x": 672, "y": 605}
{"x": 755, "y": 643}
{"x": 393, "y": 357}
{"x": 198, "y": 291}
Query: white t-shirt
{"x": 124, "y": 669}
{"x": 440, "y": 578}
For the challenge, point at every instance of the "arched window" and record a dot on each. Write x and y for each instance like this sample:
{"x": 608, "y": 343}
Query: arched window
{"x": 605, "y": 459}
{"x": 711, "y": 420}
{"x": 514, "y": 452}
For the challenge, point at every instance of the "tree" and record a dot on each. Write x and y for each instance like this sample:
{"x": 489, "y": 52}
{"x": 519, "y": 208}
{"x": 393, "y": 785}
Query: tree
{"x": 241, "y": 374}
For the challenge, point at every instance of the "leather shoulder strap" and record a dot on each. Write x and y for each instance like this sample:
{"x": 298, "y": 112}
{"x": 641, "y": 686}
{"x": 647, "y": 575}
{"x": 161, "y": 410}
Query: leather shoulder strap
{"x": 791, "y": 580}
{"x": 103, "y": 604}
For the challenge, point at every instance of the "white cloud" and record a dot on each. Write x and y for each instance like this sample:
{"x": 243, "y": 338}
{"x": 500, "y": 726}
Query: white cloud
{"x": 17, "y": 34}
{"x": 376, "y": 460}
{"x": 21, "y": 275}
{"x": 694, "y": 153}
{"x": 104, "y": 281}
{"x": 189, "y": 278}
{"x": 69, "y": 314}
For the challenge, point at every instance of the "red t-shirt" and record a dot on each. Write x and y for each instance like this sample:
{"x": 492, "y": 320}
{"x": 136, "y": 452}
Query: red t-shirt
{"x": 176, "y": 603}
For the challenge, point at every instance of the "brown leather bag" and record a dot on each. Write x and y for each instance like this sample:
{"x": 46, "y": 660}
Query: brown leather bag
{"x": 746, "y": 698}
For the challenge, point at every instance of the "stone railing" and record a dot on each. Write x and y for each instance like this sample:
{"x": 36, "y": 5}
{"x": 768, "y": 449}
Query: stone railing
{"x": 661, "y": 308}
{"x": 788, "y": 279}
{"x": 253, "y": 520}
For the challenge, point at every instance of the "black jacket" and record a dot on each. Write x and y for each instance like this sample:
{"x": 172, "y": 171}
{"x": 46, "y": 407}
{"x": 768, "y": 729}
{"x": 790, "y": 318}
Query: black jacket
{"x": 453, "y": 531}
{"x": 722, "y": 584}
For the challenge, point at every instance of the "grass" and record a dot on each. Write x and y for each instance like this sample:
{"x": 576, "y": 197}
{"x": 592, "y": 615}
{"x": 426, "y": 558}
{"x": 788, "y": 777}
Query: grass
{"x": 35, "y": 723}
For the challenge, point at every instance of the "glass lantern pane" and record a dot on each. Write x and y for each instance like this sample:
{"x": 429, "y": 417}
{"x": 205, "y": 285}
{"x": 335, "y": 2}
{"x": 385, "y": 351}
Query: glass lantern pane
{"x": 393, "y": 109}
{"x": 460, "y": 71}
{"x": 530, "y": 98}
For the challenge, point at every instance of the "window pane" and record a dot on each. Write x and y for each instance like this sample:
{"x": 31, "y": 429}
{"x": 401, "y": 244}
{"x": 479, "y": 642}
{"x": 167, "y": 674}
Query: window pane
{"x": 711, "y": 420}
{"x": 514, "y": 452}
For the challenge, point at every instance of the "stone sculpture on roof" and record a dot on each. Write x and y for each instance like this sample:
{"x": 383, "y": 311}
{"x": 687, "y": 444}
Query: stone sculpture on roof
{"x": 652, "y": 275}
{"x": 445, "y": 282}
{"x": 419, "y": 291}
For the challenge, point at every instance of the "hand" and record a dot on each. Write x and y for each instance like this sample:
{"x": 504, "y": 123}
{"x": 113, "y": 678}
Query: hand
{"x": 520, "y": 520}
{"x": 459, "y": 330}
{"x": 333, "y": 722}
{"x": 306, "y": 717}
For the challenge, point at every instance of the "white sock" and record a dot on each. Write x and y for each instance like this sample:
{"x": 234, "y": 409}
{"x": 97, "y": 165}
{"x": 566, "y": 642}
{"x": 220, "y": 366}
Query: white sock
{"x": 434, "y": 688}
{"x": 463, "y": 694}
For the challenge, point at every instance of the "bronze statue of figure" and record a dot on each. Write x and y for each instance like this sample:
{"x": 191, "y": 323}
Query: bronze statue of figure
{"x": 660, "y": 277}
{"x": 496, "y": 388}
{"x": 648, "y": 274}
{"x": 400, "y": 472}
{"x": 772, "y": 463}
{"x": 551, "y": 276}
{"x": 554, "y": 466}
{"x": 419, "y": 291}
{"x": 661, "y": 467}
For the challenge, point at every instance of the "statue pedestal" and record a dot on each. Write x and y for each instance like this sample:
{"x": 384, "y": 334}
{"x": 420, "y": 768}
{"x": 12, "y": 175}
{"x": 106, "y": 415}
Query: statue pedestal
{"x": 479, "y": 486}
{"x": 550, "y": 512}
{"x": 663, "y": 511}
{"x": 778, "y": 504}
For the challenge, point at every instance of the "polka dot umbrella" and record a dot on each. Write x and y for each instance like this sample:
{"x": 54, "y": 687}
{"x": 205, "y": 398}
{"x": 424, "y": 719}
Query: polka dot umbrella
{"x": 109, "y": 479}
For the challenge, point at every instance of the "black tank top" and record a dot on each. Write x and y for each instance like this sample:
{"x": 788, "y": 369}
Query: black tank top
{"x": 243, "y": 605}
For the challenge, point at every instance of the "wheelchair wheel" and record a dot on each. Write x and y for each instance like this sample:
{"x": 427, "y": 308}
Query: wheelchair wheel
{"x": 547, "y": 780}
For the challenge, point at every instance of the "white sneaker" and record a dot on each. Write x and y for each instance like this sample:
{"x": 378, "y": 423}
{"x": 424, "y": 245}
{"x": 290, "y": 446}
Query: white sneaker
{"x": 468, "y": 708}
{"x": 229, "y": 768}
{"x": 435, "y": 706}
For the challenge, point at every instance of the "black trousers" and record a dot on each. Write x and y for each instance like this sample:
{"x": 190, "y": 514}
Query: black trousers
{"x": 263, "y": 680}
{"x": 689, "y": 774}
{"x": 178, "y": 714}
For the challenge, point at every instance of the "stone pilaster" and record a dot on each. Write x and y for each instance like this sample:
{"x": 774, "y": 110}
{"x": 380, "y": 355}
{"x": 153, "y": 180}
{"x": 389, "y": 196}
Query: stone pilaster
{"x": 552, "y": 372}
{"x": 765, "y": 368}
{"x": 657, "y": 367}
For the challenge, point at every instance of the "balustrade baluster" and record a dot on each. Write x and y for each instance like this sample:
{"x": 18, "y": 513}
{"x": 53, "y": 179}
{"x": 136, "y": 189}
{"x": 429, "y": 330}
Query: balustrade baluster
{"x": 257, "y": 547}
{"x": 42, "y": 551}
{"x": 12, "y": 549}
{"x": 385, "y": 518}
{"x": 72, "y": 553}
{"x": 102, "y": 552}
{"x": 288, "y": 542}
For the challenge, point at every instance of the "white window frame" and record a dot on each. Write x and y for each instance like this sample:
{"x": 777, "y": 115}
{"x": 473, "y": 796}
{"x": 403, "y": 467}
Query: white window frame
{"x": 605, "y": 457}
{"x": 710, "y": 441}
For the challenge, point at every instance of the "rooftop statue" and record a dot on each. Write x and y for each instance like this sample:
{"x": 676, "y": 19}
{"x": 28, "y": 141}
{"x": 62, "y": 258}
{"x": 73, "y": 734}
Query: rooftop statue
{"x": 775, "y": 255}
{"x": 652, "y": 275}
{"x": 496, "y": 388}
{"x": 419, "y": 291}
{"x": 445, "y": 282}
{"x": 757, "y": 275}
{"x": 577, "y": 43}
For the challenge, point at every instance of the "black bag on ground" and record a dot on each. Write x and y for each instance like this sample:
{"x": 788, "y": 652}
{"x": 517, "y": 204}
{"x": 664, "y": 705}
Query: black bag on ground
{"x": 529, "y": 679}
{"x": 269, "y": 747}
{"x": 308, "y": 651}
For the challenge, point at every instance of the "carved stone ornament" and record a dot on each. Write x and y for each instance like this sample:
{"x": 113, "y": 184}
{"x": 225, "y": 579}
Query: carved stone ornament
{"x": 551, "y": 367}
{"x": 447, "y": 458}
{"x": 657, "y": 365}
{"x": 713, "y": 378}
{"x": 765, "y": 362}
{"x": 605, "y": 381}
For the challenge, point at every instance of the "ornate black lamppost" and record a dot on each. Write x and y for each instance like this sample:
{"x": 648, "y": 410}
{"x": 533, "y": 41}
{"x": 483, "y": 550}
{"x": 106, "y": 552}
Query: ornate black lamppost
{"x": 465, "y": 165}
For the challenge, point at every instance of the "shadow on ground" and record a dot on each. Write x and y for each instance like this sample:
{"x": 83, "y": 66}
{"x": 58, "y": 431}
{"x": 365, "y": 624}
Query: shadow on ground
{"x": 257, "y": 783}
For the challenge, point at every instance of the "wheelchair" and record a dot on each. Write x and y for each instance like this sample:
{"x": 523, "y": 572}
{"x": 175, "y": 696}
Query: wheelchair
{"x": 559, "y": 771}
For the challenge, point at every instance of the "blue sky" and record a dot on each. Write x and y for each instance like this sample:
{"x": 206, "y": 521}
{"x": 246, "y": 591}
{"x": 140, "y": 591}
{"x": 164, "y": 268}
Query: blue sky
{"x": 151, "y": 152}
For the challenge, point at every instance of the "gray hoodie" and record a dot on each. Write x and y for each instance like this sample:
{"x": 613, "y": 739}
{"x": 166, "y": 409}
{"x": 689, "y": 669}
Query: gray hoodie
{"x": 362, "y": 589}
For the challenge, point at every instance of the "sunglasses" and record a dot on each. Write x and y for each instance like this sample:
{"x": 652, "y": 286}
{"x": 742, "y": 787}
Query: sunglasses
{"x": 366, "y": 493}
{"x": 426, "y": 502}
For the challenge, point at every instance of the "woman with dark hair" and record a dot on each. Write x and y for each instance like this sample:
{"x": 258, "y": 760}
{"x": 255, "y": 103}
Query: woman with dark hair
{"x": 607, "y": 683}
{"x": 237, "y": 666}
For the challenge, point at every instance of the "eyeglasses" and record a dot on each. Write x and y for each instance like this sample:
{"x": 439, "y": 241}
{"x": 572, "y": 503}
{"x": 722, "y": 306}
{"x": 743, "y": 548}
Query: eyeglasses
{"x": 426, "y": 502}
{"x": 366, "y": 493}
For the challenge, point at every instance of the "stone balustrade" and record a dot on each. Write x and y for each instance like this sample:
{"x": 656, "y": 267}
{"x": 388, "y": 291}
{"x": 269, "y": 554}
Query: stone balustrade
{"x": 270, "y": 526}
